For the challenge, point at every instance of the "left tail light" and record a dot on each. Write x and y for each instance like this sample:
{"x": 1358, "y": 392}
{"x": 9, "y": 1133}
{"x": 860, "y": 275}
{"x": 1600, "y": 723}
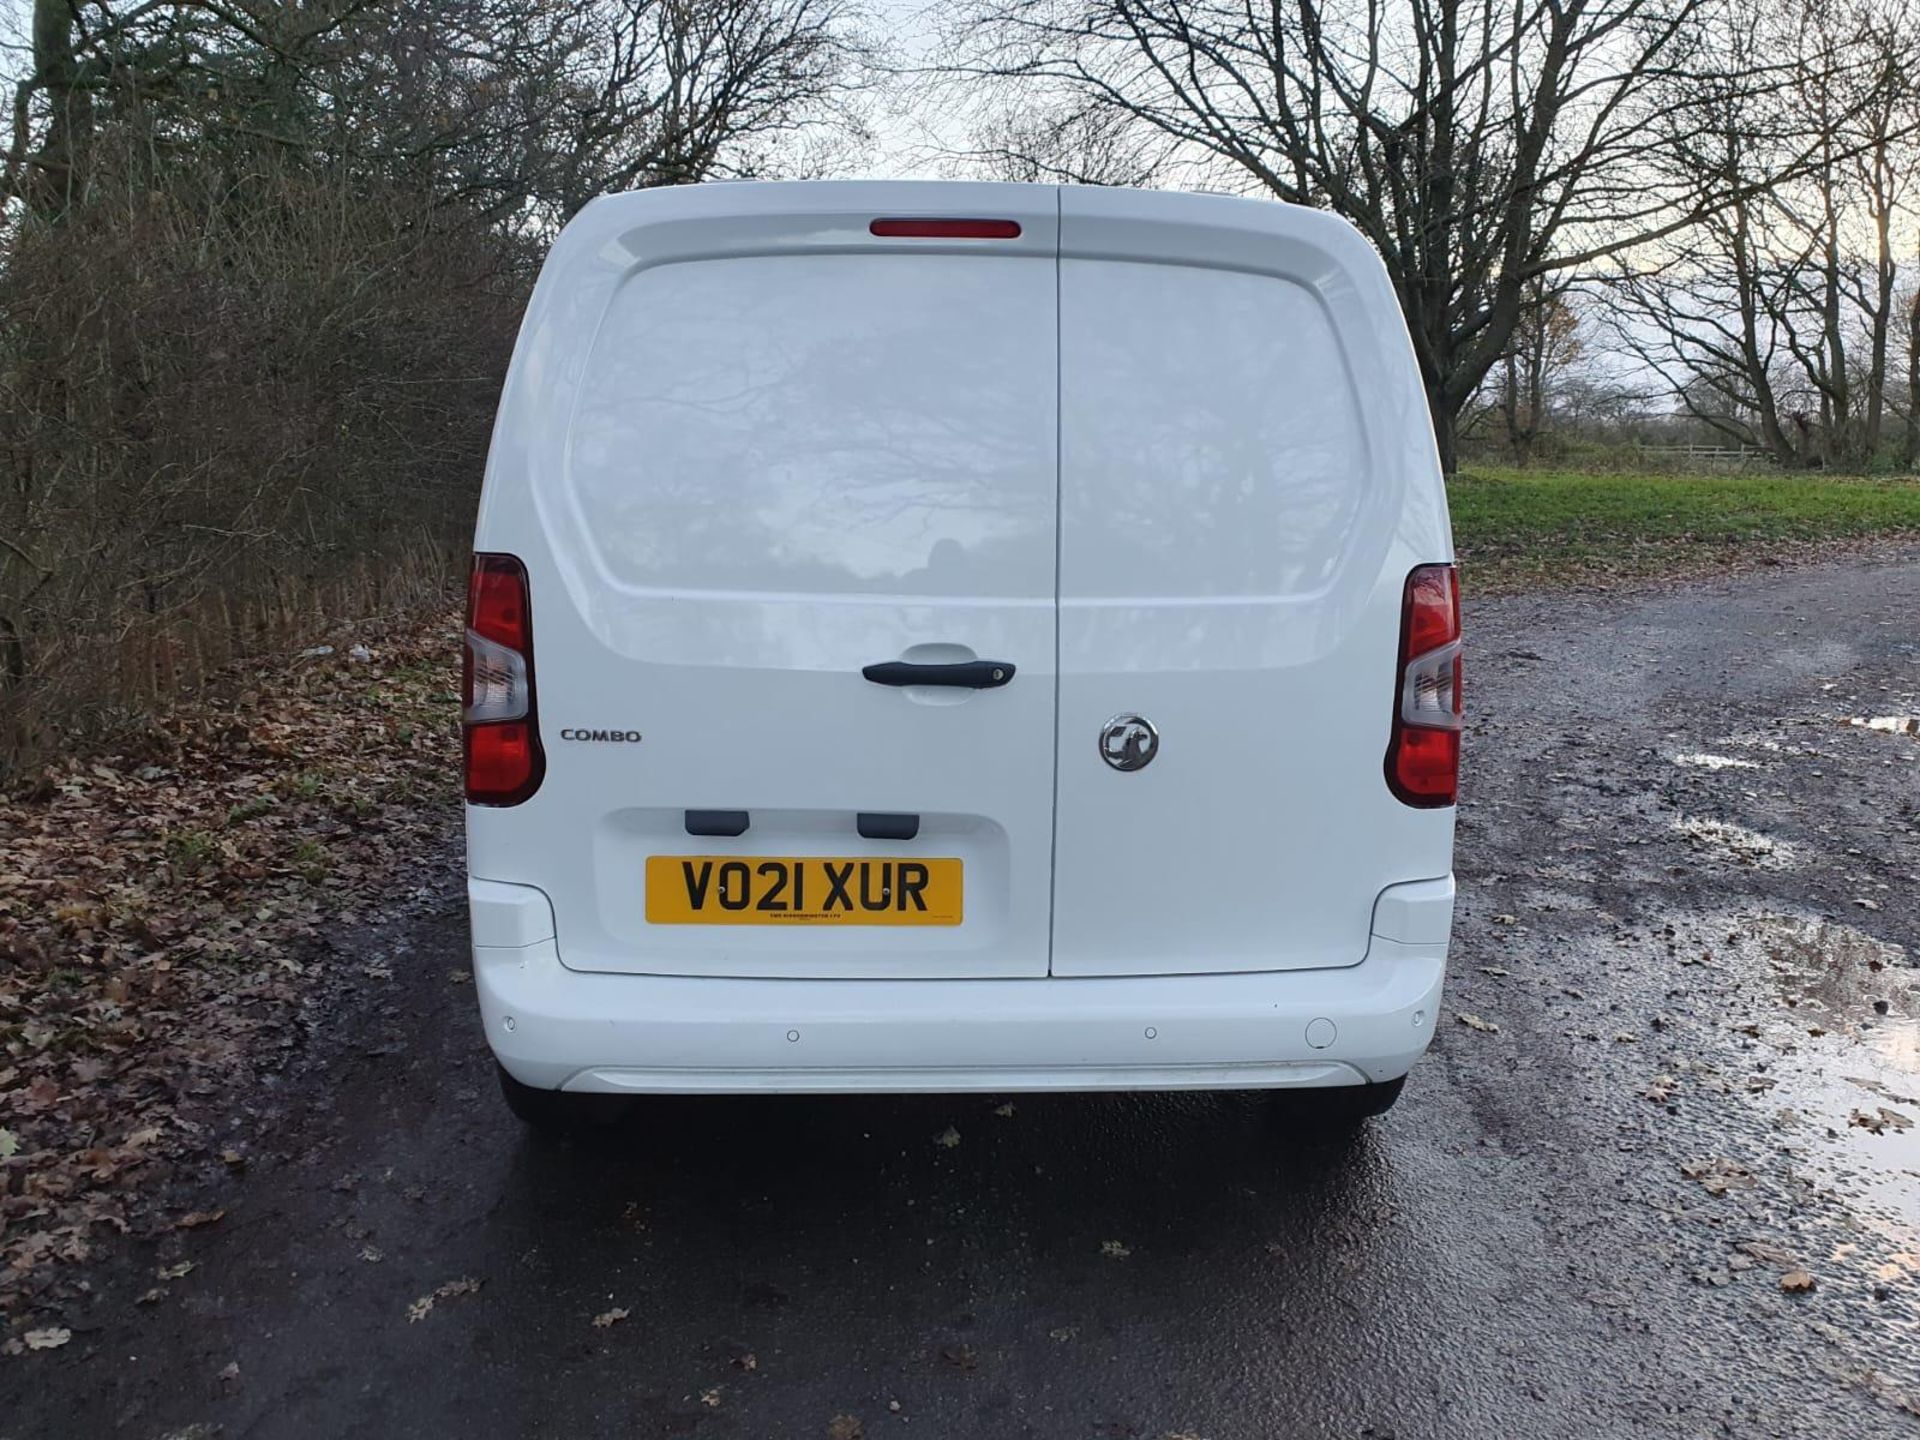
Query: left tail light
{"x": 1423, "y": 757}
{"x": 503, "y": 755}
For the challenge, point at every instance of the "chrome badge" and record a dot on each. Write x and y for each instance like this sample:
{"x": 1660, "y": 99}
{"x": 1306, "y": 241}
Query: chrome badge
{"x": 1129, "y": 742}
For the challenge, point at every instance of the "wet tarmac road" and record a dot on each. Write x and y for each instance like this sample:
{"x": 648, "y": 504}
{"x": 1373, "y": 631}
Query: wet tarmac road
{"x": 1544, "y": 1239}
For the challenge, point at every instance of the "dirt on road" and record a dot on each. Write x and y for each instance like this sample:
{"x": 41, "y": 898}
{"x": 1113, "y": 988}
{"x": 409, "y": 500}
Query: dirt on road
{"x": 1660, "y": 1175}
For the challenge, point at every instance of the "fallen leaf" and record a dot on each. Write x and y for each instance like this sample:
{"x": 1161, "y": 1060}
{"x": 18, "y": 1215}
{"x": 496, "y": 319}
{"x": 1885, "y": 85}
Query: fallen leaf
{"x": 1796, "y": 1282}
{"x": 1771, "y": 1254}
{"x": 711, "y": 1398}
{"x": 1114, "y": 1250}
{"x": 1005, "y": 1110}
{"x": 1474, "y": 1022}
{"x": 174, "y": 1271}
{"x": 1659, "y": 1089}
{"x": 194, "y": 1219}
{"x": 231, "y": 1372}
{"x": 846, "y": 1427}
{"x": 1497, "y": 971}
{"x": 51, "y": 1338}
{"x": 1717, "y": 1175}
{"x": 947, "y": 1138}
{"x": 420, "y": 1309}
{"x": 607, "y": 1319}
{"x": 746, "y": 1360}
{"x": 9, "y": 1143}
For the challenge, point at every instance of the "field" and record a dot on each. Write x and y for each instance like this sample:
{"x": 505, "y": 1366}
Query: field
{"x": 1530, "y": 528}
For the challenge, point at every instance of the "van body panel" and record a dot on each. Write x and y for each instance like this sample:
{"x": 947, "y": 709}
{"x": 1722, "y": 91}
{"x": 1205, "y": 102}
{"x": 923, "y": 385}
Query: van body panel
{"x": 1163, "y": 455}
{"x": 748, "y": 452}
{"x": 623, "y": 1034}
{"x": 1239, "y": 507}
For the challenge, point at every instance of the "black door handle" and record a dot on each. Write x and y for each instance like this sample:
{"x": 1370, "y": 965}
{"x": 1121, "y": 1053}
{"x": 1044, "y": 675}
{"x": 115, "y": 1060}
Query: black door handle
{"x": 973, "y": 674}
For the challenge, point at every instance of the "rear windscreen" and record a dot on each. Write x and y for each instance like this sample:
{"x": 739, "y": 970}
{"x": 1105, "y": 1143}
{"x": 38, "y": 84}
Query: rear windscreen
{"x": 1211, "y": 442}
{"x": 879, "y": 424}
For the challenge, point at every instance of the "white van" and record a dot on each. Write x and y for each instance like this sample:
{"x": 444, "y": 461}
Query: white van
{"x": 940, "y": 637}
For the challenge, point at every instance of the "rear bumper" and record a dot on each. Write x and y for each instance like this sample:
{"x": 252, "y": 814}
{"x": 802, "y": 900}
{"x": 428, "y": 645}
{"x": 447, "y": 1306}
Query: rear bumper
{"x": 562, "y": 1029}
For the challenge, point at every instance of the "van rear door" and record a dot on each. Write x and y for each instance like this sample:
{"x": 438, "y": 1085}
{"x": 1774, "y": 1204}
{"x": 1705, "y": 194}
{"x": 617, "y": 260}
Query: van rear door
{"x": 796, "y": 449}
{"x": 1244, "y": 485}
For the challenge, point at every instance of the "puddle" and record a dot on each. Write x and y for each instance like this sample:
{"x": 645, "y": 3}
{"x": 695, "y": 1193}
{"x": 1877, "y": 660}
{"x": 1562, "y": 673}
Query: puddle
{"x": 1736, "y": 840}
{"x": 1847, "y": 1081}
{"x": 1703, "y": 761}
{"x": 1890, "y": 724}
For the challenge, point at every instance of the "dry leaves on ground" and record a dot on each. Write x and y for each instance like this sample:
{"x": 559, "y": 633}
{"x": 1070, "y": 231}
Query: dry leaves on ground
{"x": 1717, "y": 1175}
{"x": 163, "y": 912}
{"x": 423, "y": 1307}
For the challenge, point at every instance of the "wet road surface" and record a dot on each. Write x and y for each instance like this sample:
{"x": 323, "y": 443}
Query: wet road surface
{"x": 1689, "y": 920}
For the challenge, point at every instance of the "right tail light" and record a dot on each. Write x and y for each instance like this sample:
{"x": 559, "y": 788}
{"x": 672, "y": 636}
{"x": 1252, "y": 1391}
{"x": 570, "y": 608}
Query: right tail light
{"x": 1423, "y": 757}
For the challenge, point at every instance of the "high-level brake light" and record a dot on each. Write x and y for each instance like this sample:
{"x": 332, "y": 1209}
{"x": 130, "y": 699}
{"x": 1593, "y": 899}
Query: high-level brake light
{"x": 934, "y": 229}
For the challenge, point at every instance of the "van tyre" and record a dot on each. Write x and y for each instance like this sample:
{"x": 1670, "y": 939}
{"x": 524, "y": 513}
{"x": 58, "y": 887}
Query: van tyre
{"x": 1336, "y": 1109}
{"x": 556, "y": 1112}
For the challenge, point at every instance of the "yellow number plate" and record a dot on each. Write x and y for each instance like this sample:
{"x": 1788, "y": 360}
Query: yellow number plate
{"x": 814, "y": 890}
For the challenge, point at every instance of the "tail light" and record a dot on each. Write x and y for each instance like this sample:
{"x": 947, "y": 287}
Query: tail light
{"x": 504, "y": 759}
{"x": 1423, "y": 758}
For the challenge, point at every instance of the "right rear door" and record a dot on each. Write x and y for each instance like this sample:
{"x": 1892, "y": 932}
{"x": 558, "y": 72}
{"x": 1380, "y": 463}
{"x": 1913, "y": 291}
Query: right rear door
{"x": 1231, "y": 552}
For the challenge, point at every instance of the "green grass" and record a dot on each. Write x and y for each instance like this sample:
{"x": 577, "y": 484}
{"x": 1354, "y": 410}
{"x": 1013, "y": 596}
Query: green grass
{"x": 1522, "y": 528}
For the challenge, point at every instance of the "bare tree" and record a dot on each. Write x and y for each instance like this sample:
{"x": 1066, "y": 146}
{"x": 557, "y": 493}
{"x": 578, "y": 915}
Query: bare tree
{"x": 1547, "y": 344}
{"x": 525, "y": 109}
{"x": 1479, "y": 144}
{"x": 1770, "y": 320}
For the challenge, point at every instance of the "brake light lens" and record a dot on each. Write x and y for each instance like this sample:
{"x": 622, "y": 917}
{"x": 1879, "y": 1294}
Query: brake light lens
{"x": 940, "y": 229}
{"x": 1423, "y": 757}
{"x": 504, "y": 762}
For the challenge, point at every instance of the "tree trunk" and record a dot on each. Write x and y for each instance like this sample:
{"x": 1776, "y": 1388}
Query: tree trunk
{"x": 1883, "y": 307}
{"x": 1446, "y": 429}
{"x": 1913, "y": 383}
{"x": 70, "y": 110}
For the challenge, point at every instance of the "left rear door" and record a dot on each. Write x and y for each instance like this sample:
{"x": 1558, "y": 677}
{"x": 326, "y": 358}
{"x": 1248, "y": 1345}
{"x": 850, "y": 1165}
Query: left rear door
{"x": 800, "y": 452}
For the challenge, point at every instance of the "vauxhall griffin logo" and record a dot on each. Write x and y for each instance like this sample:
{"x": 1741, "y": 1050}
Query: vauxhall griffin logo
{"x": 1129, "y": 742}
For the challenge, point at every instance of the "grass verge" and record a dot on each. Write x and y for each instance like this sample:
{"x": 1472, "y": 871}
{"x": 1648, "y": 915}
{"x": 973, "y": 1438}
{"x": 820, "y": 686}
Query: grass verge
{"x": 1539, "y": 529}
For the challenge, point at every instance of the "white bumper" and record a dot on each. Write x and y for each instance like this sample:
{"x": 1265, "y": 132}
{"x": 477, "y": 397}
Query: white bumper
{"x": 561, "y": 1029}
